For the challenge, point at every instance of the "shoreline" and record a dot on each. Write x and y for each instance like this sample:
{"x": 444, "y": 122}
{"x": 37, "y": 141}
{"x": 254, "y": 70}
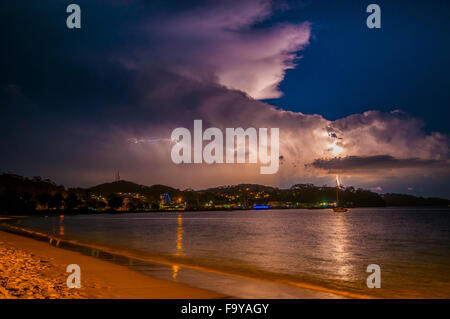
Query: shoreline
{"x": 211, "y": 277}
{"x": 189, "y": 272}
{"x": 308, "y": 291}
{"x": 57, "y": 212}
{"x": 32, "y": 269}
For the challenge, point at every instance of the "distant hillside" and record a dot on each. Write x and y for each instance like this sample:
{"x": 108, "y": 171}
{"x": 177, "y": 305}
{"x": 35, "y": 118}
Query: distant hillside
{"x": 409, "y": 200}
{"x": 35, "y": 186}
{"x": 241, "y": 187}
{"x": 21, "y": 194}
{"x": 152, "y": 192}
{"x": 107, "y": 189}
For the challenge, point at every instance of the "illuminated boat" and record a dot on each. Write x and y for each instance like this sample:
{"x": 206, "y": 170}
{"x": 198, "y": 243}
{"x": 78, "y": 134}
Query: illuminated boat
{"x": 260, "y": 207}
{"x": 338, "y": 209}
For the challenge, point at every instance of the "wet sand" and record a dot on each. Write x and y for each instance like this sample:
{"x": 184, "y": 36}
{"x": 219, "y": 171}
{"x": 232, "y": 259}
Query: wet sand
{"x": 34, "y": 269}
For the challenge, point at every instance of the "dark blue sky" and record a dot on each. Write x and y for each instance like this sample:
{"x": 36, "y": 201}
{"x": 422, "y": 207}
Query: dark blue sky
{"x": 348, "y": 68}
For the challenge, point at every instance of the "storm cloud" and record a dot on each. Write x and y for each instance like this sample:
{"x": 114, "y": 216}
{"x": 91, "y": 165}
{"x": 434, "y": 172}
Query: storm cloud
{"x": 76, "y": 107}
{"x": 217, "y": 42}
{"x": 352, "y": 163}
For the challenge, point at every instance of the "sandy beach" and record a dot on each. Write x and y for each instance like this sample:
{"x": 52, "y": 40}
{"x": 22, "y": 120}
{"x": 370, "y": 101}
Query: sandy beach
{"x": 33, "y": 269}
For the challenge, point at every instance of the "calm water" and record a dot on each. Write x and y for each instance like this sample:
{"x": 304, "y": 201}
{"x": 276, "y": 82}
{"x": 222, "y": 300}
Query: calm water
{"x": 316, "y": 247}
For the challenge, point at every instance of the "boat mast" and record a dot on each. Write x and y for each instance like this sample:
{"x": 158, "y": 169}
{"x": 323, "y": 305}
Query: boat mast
{"x": 337, "y": 195}
{"x": 337, "y": 191}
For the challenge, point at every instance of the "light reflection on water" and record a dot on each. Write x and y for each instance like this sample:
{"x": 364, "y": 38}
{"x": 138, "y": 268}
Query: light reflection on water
{"x": 179, "y": 251}
{"x": 179, "y": 244}
{"x": 412, "y": 246}
{"x": 61, "y": 225}
{"x": 340, "y": 252}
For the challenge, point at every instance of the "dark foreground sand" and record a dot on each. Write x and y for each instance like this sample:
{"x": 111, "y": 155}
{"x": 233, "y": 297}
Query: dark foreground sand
{"x": 34, "y": 269}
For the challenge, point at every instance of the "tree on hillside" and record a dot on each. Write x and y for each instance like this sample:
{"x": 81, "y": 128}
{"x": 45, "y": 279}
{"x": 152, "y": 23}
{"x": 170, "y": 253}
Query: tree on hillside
{"x": 18, "y": 202}
{"x": 72, "y": 201}
{"x": 134, "y": 204}
{"x": 95, "y": 204}
{"x": 43, "y": 199}
{"x": 55, "y": 201}
{"x": 115, "y": 202}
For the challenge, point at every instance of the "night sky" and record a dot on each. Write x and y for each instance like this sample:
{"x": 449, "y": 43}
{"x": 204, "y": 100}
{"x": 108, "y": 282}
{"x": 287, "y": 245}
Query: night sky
{"x": 348, "y": 68}
{"x": 77, "y": 105}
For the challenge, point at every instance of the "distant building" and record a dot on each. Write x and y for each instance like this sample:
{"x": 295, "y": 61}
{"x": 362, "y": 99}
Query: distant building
{"x": 166, "y": 203}
{"x": 275, "y": 204}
